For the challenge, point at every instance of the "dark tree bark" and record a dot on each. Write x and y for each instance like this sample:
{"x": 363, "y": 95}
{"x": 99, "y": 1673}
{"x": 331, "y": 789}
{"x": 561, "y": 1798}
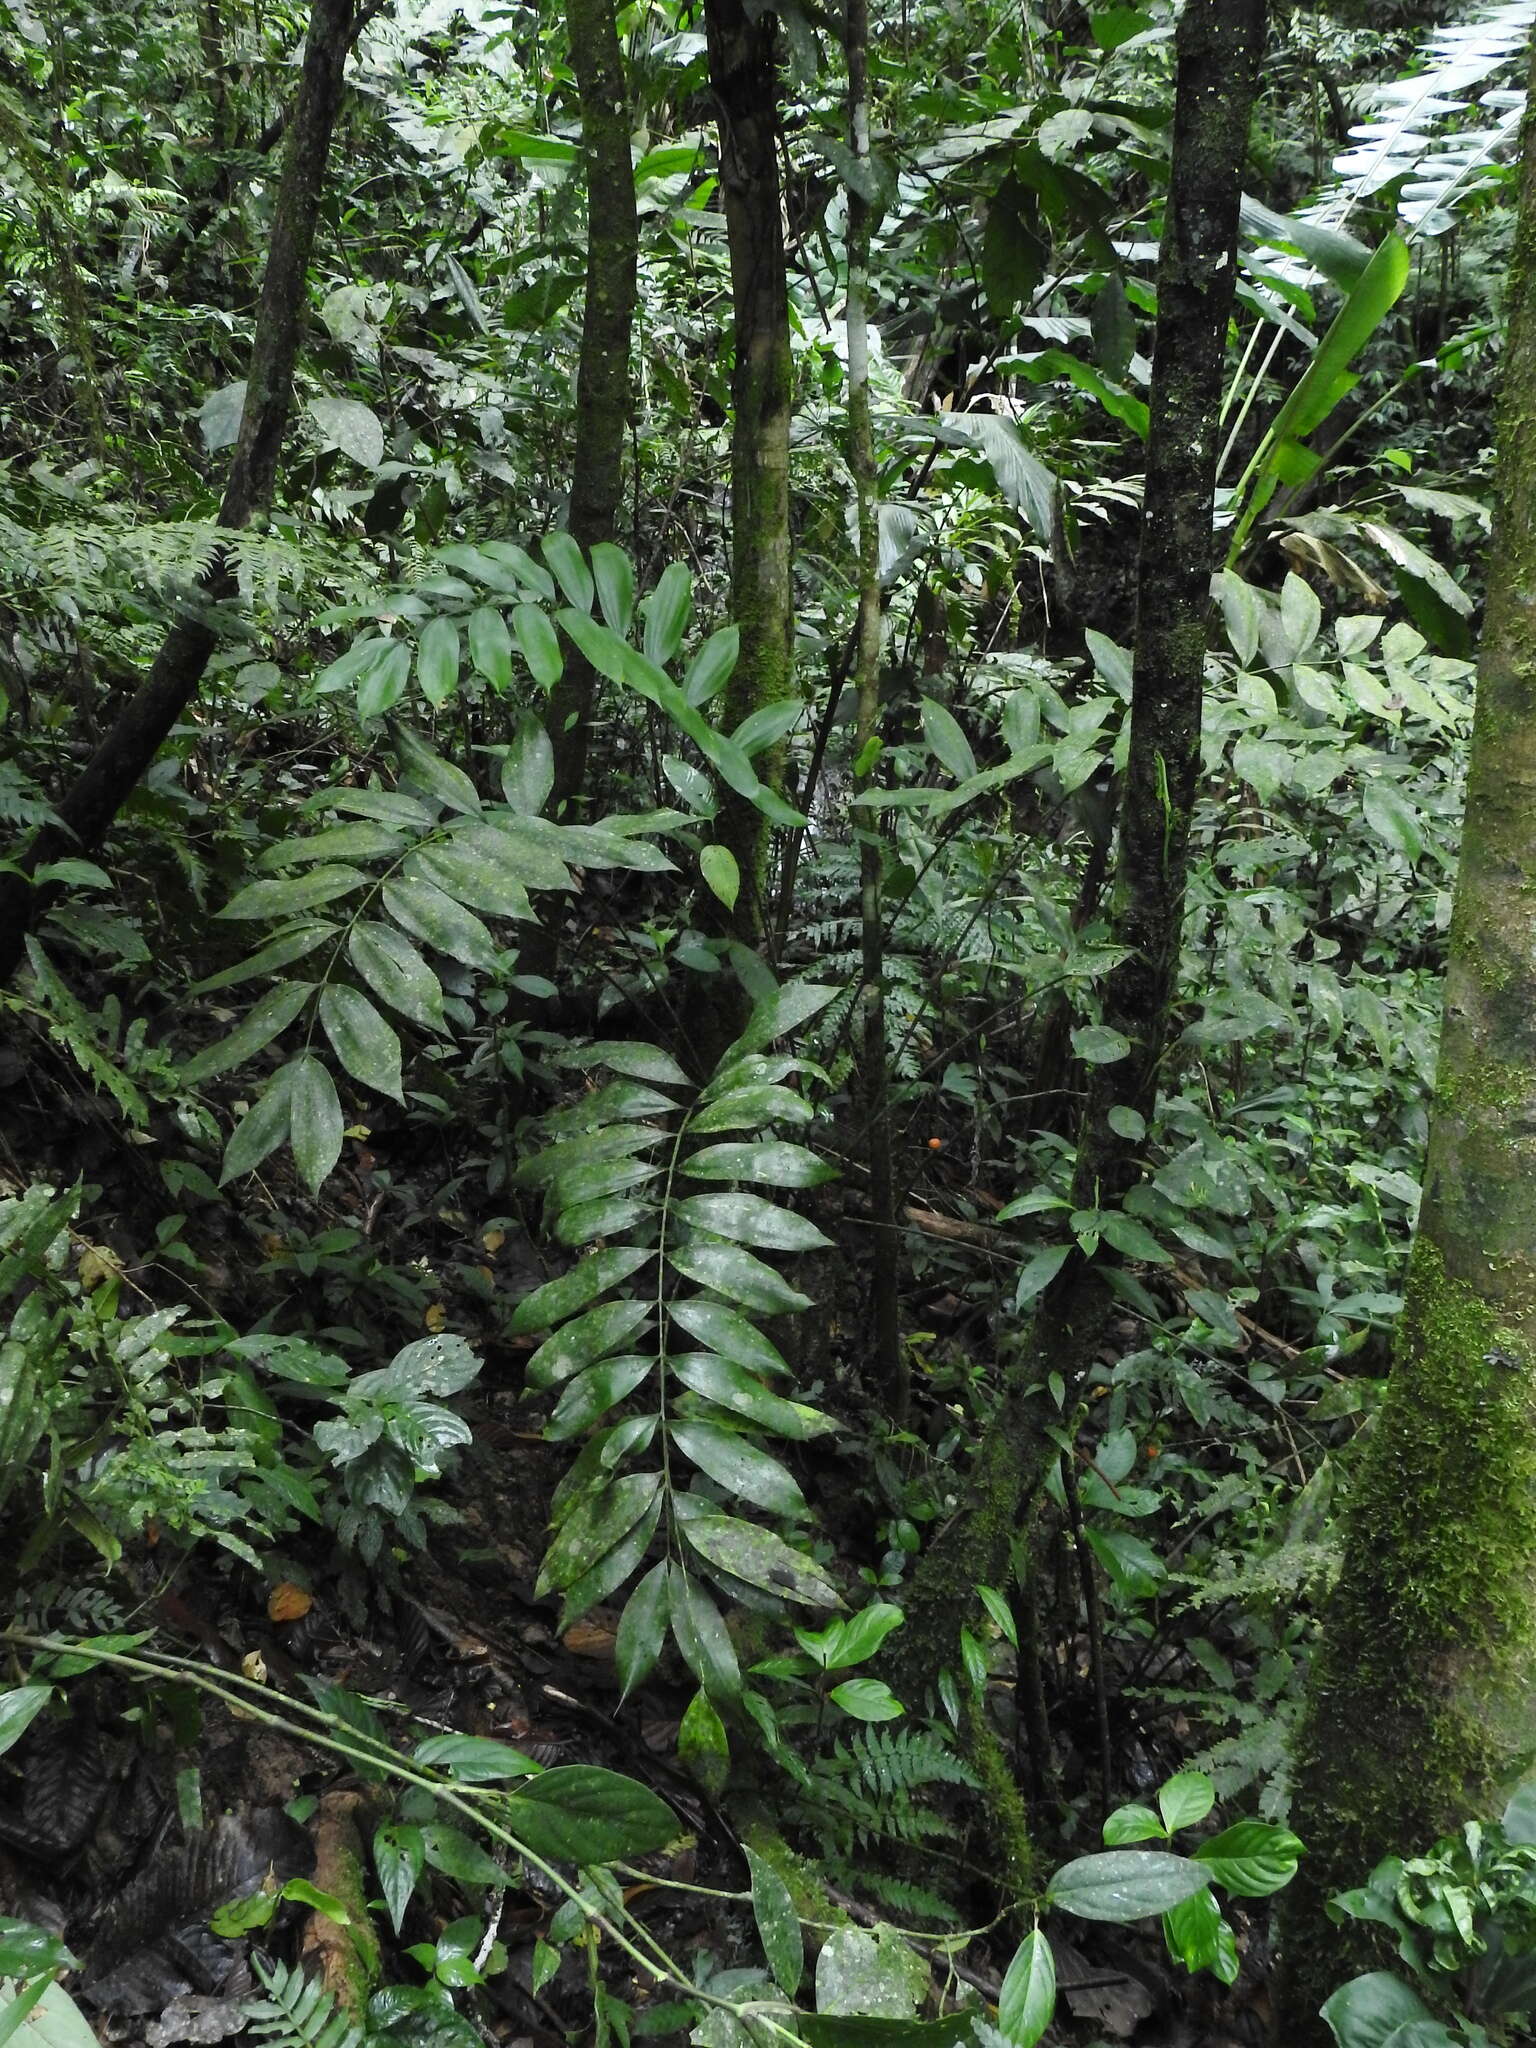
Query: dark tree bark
{"x": 603, "y": 391}
{"x": 1419, "y": 1702}
{"x": 1219, "y": 44}
{"x": 143, "y": 725}
{"x": 744, "y": 77}
{"x": 888, "y": 1370}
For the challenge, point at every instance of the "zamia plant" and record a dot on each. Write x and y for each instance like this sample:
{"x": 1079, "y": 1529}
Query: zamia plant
{"x": 393, "y": 882}
{"x": 662, "y": 1323}
{"x": 495, "y": 603}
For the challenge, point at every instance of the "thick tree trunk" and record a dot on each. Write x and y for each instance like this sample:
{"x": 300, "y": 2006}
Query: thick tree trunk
{"x": 745, "y": 83}
{"x": 888, "y": 1371}
{"x": 602, "y": 378}
{"x": 1419, "y": 1705}
{"x": 1219, "y": 43}
{"x": 143, "y": 725}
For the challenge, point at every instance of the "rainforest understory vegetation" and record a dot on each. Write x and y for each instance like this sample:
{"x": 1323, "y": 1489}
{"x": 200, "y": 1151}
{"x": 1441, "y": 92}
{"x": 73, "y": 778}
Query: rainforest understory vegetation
{"x": 767, "y": 1023}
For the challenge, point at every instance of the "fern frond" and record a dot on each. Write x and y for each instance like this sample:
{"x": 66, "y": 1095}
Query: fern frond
{"x": 298, "y": 2012}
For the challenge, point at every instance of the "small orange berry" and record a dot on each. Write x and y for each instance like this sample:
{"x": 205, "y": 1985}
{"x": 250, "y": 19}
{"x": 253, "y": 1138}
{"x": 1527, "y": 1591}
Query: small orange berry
{"x": 935, "y": 1144}
{"x": 1153, "y": 1451}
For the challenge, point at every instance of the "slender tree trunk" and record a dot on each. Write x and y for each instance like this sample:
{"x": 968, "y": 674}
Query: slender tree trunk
{"x": 745, "y": 83}
{"x": 1419, "y": 1704}
{"x": 888, "y": 1366}
{"x": 145, "y": 722}
{"x": 602, "y": 378}
{"x": 1219, "y": 44}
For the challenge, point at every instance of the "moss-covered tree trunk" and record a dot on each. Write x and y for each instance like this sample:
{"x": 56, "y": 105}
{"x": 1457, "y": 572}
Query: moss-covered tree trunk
{"x": 145, "y": 722}
{"x": 1219, "y": 43}
{"x": 1420, "y": 1704}
{"x": 603, "y": 387}
{"x": 744, "y": 79}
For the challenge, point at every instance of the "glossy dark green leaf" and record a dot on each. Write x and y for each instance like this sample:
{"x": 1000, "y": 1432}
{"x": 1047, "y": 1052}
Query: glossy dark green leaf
{"x": 760, "y": 1558}
{"x": 1252, "y": 1858}
{"x": 739, "y": 1467}
{"x": 1369, "y": 2011}
{"x": 282, "y": 951}
{"x": 595, "y": 1525}
{"x": 667, "y": 611}
{"x": 437, "y": 661}
{"x": 438, "y": 778}
{"x": 456, "y": 1855}
{"x": 778, "y": 1924}
{"x": 780, "y": 1014}
{"x": 701, "y": 1635}
{"x": 273, "y": 1014}
{"x": 642, "y": 1630}
{"x": 261, "y": 1130}
{"x": 474, "y": 1759}
{"x": 358, "y": 839}
{"x": 727, "y": 1331}
{"x": 382, "y": 684}
{"x": 615, "y": 580}
{"x": 550, "y": 1305}
{"x": 432, "y": 915}
{"x": 771, "y": 1163}
{"x": 538, "y": 644}
{"x": 615, "y": 1568}
{"x": 19, "y": 1708}
{"x": 528, "y": 772}
{"x": 315, "y": 1120}
{"x": 396, "y": 973}
{"x": 281, "y": 898}
{"x": 1122, "y": 1885}
{"x": 1027, "y": 2001}
{"x": 713, "y": 666}
{"x": 564, "y": 556}
{"x": 639, "y": 1062}
{"x": 579, "y": 1813}
{"x": 490, "y": 648}
{"x": 751, "y": 1220}
{"x": 735, "y": 1273}
{"x": 591, "y": 1180}
{"x": 585, "y": 1340}
{"x": 518, "y": 848}
{"x": 751, "y": 1108}
{"x": 399, "y": 1855}
{"x": 593, "y": 1392}
{"x": 703, "y": 1747}
{"x": 468, "y": 878}
{"x": 360, "y": 1038}
{"x": 611, "y": 1216}
{"x": 731, "y": 1386}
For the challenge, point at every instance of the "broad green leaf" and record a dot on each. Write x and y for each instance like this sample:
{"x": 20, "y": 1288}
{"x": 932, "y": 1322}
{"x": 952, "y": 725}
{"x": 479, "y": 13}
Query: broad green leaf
{"x": 584, "y": 1341}
{"x": 456, "y": 1855}
{"x": 1038, "y": 1271}
{"x": 867, "y": 1699}
{"x": 520, "y": 847}
{"x": 728, "y": 1270}
{"x": 722, "y": 877}
{"x": 474, "y": 1759}
{"x": 853, "y": 1640}
{"x": 765, "y": 727}
{"x": 750, "y": 1108}
{"x": 437, "y": 661}
{"x": 44, "y": 2016}
{"x": 279, "y": 952}
{"x": 18, "y": 1709}
{"x": 1126, "y": 1884}
{"x": 528, "y": 772}
{"x": 438, "y": 778}
{"x": 839, "y": 2030}
{"x": 550, "y": 1305}
{"x": 759, "y": 1558}
{"x": 779, "y": 1015}
{"x": 751, "y": 1220}
{"x": 360, "y": 839}
{"x": 432, "y": 915}
{"x": 384, "y": 806}
{"x": 464, "y": 874}
{"x": 615, "y": 580}
{"x": 947, "y": 740}
{"x": 1391, "y": 817}
{"x": 737, "y": 1465}
{"x": 1134, "y": 1567}
{"x": 273, "y": 1014}
{"x": 1027, "y": 2001}
{"x": 579, "y": 1813}
{"x": 639, "y": 1061}
{"x": 261, "y": 1130}
{"x": 490, "y": 647}
{"x": 564, "y": 556}
{"x": 666, "y": 612}
{"x": 712, "y": 667}
{"x": 1240, "y": 611}
{"x": 365, "y": 1045}
{"x": 727, "y": 1331}
{"x": 1252, "y": 1858}
{"x": 294, "y": 892}
{"x": 1367, "y": 2011}
{"x": 1193, "y": 1932}
{"x": 1186, "y": 1799}
{"x": 731, "y": 1386}
{"x": 701, "y": 1635}
{"x": 598, "y": 1521}
{"x": 589, "y": 1396}
{"x": 382, "y": 684}
{"x": 642, "y": 1630}
{"x": 397, "y": 974}
{"x": 1100, "y": 1044}
{"x": 538, "y": 644}
{"x": 616, "y": 1567}
{"x": 351, "y": 426}
{"x": 613, "y": 1216}
{"x": 1129, "y": 1824}
{"x": 772, "y": 1163}
{"x": 220, "y": 414}
{"x": 778, "y": 1924}
{"x": 872, "y": 1974}
{"x": 315, "y": 1120}
{"x": 703, "y": 1747}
